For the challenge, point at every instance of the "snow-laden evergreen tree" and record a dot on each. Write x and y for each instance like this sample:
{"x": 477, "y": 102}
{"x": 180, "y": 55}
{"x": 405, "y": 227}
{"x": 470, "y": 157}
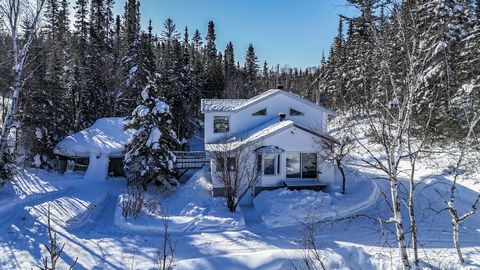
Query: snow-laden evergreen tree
{"x": 178, "y": 81}
{"x": 334, "y": 75}
{"x": 138, "y": 65}
{"x": 442, "y": 24}
{"x": 95, "y": 95}
{"x": 149, "y": 157}
{"x": 46, "y": 92}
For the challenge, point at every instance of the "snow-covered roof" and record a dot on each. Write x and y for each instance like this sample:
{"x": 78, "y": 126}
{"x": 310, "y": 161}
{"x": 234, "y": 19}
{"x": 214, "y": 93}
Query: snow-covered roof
{"x": 221, "y": 104}
{"x": 262, "y": 131}
{"x": 106, "y": 136}
{"x": 229, "y": 105}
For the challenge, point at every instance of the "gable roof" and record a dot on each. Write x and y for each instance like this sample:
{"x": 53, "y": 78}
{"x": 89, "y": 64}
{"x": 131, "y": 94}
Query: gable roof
{"x": 267, "y": 129}
{"x": 233, "y": 105}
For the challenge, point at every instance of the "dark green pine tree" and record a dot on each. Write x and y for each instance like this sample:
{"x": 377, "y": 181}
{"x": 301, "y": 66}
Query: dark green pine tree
{"x": 148, "y": 156}
{"x": 93, "y": 105}
{"x": 214, "y": 81}
{"x": 78, "y": 79}
{"x": 138, "y": 65}
{"x": 229, "y": 61}
{"x": 178, "y": 82}
{"x": 251, "y": 72}
{"x": 45, "y": 91}
{"x": 334, "y": 73}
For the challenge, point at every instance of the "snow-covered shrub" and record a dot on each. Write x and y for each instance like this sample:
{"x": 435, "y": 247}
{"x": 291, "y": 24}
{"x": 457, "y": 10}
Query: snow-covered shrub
{"x": 134, "y": 202}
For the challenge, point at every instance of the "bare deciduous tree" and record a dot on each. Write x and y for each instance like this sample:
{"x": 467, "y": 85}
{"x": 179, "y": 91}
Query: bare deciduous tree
{"x": 235, "y": 169}
{"x": 49, "y": 262}
{"x": 337, "y": 150}
{"x": 457, "y": 218}
{"x": 165, "y": 256}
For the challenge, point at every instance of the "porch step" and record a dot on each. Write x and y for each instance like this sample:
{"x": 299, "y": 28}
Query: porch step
{"x": 304, "y": 184}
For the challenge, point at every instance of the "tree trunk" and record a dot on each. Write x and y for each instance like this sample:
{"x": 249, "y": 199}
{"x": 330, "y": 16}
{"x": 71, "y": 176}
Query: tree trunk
{"x": 456, "y": 242}
{"x": 399, "y": 224}
{"x": 413, "y": 222}
{"x": 344, "y": 179}
{"x": 12, "y": 108}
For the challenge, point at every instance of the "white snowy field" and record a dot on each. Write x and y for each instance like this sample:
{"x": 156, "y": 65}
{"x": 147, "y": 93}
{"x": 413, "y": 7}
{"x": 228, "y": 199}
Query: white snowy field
{"x": 87, "y": 220}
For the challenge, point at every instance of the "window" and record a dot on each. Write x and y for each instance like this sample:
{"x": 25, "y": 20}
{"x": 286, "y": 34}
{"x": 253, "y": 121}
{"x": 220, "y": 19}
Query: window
{"x": 259, "y": 164}
{"x": 269, "y": 165}
{"x": 301, "y": 165}
{"x": 261, "y": 112}
{"x": 294, "y": 112}
{"x": 278, "y": 164}
{"x": 309, "y": 165}
{"x": 231, "y": 164}
{"x": 219, "y": 164}
{"x": 293, "y": 165}
{"x": 221, "y": 124}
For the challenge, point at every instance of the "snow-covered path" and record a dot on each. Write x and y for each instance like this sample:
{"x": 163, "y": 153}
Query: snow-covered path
{"x": 84, "y": 214}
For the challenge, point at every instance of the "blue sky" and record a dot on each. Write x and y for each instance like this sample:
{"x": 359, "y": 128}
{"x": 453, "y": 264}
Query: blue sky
{"x": 292, "y": 32}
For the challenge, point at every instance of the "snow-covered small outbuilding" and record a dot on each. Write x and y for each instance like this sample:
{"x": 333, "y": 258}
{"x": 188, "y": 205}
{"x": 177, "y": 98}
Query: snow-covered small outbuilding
{"x": 98, "y": 150}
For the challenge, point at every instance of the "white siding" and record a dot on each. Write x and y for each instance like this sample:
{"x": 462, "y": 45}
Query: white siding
{"x": 292, "y": 140}
{"x": 243, "y": 120}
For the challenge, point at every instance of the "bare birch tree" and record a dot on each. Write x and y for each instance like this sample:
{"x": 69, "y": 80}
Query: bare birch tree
{"x": 469, "y": 141}
{"x": 390, "y": 119}
{"x": 14, "y": 12}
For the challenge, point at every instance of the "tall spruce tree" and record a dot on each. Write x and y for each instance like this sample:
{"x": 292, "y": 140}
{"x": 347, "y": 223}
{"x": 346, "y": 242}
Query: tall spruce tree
{"x": 251, "y": 71}
{"x": 214, "y": 81}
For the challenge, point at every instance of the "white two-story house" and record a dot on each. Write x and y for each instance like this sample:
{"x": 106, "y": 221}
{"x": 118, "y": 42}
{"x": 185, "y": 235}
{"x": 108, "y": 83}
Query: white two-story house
{"x": 285, "y": 131}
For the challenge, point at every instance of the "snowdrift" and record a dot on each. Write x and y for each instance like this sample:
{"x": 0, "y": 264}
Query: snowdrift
{"x": 283, "y": 207}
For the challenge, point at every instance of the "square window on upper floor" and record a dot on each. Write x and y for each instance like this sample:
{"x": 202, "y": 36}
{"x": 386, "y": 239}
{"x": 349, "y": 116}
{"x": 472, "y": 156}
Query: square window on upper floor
{"x": 221, "y": 124}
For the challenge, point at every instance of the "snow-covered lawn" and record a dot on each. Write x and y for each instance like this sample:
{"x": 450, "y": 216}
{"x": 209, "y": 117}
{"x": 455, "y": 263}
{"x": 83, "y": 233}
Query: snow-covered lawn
{"x": 189, "y": 208}
{"x": 283, "y": 207}
{"x": 87, "y": 220}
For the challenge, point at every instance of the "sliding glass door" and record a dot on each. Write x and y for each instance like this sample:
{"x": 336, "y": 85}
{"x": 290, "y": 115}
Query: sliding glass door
{"x": 301, "y": 165}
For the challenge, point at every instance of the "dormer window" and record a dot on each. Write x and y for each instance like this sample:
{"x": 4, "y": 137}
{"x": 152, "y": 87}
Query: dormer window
{"x": 221, "y": 124}
{"x": 294, "y": 112}
{"x": 262, "y": 112}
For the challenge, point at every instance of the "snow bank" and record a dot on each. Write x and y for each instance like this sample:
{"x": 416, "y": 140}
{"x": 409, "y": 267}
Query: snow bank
{"x": 106, "y": 136}
{"x": 189, "y": 208}
{"x": 283, "y": 207}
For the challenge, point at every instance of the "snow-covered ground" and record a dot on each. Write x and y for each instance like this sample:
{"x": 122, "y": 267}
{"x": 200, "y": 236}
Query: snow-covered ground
{"x": 190, "y": 208}
{"x": 88, "y": 221}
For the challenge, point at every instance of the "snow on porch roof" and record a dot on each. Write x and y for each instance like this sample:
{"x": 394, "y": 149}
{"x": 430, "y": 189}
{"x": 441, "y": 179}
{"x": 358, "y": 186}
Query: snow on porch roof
{"x": 257, "y": 133}
{"x": 106, "y": 136}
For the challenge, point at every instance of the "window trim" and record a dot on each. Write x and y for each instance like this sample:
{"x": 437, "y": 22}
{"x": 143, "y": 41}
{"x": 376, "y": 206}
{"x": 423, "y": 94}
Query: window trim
{"x": 292, "y": 110}
{"x": 258, "y": 113}
{"x": 227, "y": 117}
